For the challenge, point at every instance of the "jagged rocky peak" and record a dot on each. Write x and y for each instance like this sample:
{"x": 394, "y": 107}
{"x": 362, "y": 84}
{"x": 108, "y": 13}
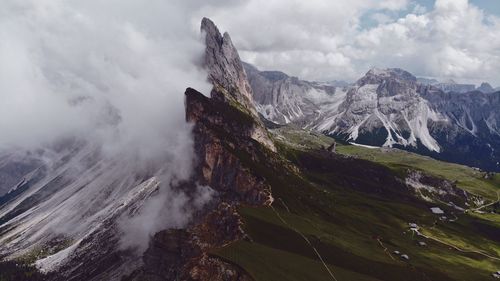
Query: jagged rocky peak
{"x": 226, "y": 73}
{"x": 377, "y": 75}
{"x": 391, "y": 82}
{"x": 485, "y": 88}
{"x": 225, "y": 69}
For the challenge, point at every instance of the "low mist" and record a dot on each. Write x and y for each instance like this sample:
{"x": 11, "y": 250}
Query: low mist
{"x": 111, "y": 74}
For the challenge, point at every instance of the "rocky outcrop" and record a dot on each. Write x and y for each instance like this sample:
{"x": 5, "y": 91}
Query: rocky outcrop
{"x": 226, "y": 152}
{"x": 184, "y": 254}
{"x": 226, "y": 73}
{"x": 224, "y": 66}
{"x": 223, "y": 134}
{"x": 229, "y": 139}
{"x": 439, "y": 190}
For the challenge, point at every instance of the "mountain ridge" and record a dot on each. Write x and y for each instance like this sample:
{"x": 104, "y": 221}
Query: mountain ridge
{"x": 390, "y": 108}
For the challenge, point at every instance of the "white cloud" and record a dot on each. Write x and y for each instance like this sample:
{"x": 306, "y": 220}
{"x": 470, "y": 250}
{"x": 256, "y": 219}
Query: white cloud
{"x": 451, "y": 5}
{"x": 418, "y": 9}
{"x": 381, "y": 18}
{"x": 394, "y": 4}
{"x": 114, "y": 57}
{"x": 112, "y": 73}
{"x": 323, "y": 39}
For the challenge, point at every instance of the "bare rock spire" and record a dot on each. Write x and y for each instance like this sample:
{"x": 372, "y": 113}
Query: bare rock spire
{"x": 225, "y": 69}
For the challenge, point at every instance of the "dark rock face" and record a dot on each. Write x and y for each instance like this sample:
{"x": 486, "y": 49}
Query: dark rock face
{"x": 223, "y": 138}
{"x": 228, "y": 138}
{"x": 221, "y": 131}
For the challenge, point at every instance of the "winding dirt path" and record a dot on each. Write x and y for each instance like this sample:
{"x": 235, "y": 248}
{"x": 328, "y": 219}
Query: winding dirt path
{"x": 330, "y": 272}
{"x": 385, "y": 249}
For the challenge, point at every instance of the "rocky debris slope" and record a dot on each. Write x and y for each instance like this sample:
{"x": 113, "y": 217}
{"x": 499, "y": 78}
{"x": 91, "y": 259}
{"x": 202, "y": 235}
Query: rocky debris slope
{"x": 63, "y": 215}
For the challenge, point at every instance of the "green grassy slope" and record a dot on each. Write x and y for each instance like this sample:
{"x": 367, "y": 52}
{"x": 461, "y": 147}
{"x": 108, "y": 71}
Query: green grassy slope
{"x": 355, "y": 213}
{"x": 398, "y": 160}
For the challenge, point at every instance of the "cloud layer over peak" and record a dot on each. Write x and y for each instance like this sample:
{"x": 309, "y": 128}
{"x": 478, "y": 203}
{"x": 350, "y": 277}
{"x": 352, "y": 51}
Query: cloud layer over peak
{"x": 323, "y": 40}
{"x": 113, "y": 71}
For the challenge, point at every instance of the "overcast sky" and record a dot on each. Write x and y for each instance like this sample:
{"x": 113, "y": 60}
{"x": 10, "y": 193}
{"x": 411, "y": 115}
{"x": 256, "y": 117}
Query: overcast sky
{"x": 342, "y": 39}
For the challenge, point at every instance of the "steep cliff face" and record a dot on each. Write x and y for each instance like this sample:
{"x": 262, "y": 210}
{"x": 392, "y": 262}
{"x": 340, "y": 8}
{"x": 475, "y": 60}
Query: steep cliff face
{"x": 226, "y": 73}
{"x": 222, "y": 132}
{"x": 229, "y": 141}
{"x": 184, "y": 254}
{"x": 384, "y": 108}
{"x": 284, "y": 99}
{"x": 472, "y": 135}
{"x": 226, "y": 154}
{"x": 224, "y": 65}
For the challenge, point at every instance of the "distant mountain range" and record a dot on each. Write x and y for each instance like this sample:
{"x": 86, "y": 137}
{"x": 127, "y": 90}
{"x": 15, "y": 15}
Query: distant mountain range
{"x": 392, "y": 108}
{"x": 452, "y": 86}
